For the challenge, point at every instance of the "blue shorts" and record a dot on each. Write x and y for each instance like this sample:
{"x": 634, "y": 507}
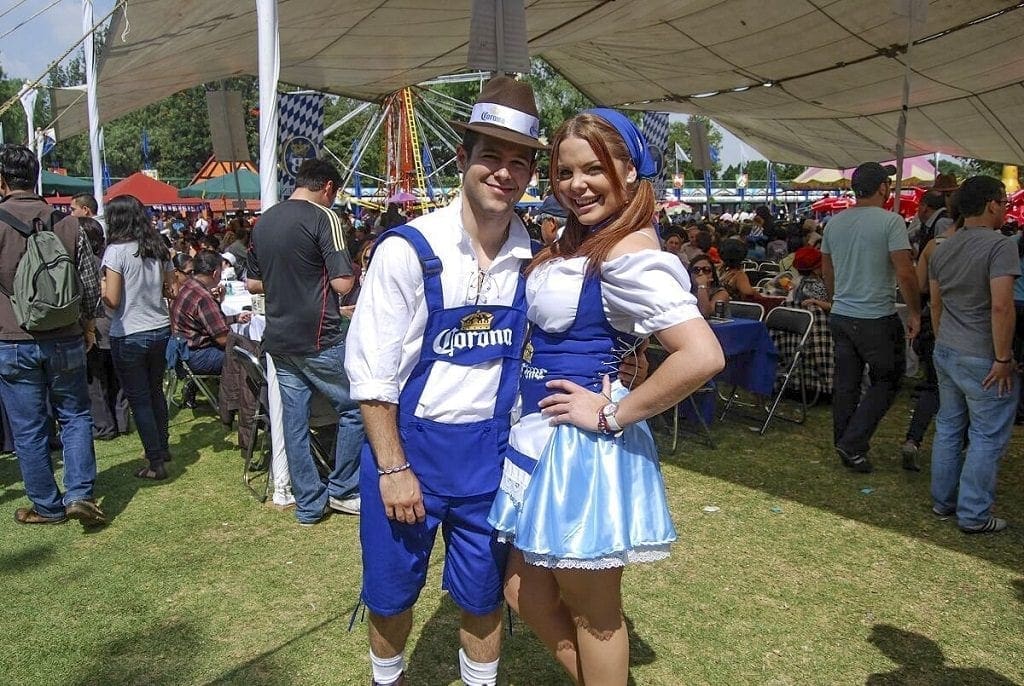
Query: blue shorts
{"x": 396, "y": 555}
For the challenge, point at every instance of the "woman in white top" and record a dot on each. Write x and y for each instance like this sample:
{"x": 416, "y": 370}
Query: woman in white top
{"x": 137, "y": 274}
{"x": 581, "y": 493}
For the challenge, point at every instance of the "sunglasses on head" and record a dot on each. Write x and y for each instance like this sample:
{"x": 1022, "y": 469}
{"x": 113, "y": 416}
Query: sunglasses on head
{"x": 702, "y": 270}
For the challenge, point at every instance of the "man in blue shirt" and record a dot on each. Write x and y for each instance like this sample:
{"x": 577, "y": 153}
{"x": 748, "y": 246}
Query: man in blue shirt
{"x": 865, "y": 252}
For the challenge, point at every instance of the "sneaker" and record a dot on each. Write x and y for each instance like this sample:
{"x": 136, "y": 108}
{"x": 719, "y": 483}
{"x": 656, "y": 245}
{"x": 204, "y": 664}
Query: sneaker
{"x": 87, "y": 512}
{"x": 943, "y": 511}
{"x": 857, "y": 462}
{"x": 993, "y": 525}
{"x": 344, "y": 505}
{"x": 909, "y": 451}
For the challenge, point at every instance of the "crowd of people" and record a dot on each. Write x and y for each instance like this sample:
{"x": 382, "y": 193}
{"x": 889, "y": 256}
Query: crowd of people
{"x": 487, "y": 366}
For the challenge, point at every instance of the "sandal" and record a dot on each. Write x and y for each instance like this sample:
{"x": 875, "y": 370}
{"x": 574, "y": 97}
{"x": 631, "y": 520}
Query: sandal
{"x": 28, "y": 515}
{"x": 152, "y": 474}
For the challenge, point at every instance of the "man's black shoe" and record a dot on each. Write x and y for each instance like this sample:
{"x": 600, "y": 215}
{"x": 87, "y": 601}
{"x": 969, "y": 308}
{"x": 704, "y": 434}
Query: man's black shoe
{"x": 857, "y": 462}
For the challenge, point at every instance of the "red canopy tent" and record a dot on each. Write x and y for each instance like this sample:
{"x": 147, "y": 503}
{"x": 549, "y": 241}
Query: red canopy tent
{"x": 152, "y": 193}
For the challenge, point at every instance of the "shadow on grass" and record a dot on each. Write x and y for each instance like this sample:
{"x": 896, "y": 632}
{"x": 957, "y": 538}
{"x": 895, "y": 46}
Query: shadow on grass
{"x": 10, "y": 474}
{"x": 157, "y": 655}
{"x": 1018, "y": 587}
{"x": 524, "y": 659}
{"x": 117, "y": 485}
{"x": 25, "y": 560}
{"x": 921, "y": 661}
{"x": 798, "y": 463}
{"x": 264, "y": 668}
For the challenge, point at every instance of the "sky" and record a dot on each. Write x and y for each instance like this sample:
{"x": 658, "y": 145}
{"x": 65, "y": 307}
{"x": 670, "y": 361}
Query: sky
{"x": 28, "y": 51}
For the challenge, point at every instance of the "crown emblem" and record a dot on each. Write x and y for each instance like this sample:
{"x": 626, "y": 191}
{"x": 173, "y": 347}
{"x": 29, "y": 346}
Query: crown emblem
{"x": 478, "y": 321}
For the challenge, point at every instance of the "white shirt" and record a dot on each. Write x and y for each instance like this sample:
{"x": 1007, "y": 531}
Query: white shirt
{"x": 641, "y": 293}
{"x": 386, "y": 335}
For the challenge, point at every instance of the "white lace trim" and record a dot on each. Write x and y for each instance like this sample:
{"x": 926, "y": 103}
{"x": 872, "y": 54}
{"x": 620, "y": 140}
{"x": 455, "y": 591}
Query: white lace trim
{"x": 514, "y": 480}
{"x": 644, "y": 554}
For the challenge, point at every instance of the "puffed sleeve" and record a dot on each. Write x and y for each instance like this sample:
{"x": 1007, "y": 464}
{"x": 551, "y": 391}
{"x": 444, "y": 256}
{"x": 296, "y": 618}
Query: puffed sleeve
{"x": 382, "y": 317}
{"x": 647, "y": 291}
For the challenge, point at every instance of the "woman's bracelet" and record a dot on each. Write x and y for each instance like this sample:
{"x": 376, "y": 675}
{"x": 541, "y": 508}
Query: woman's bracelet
{"x": 393, "y": 470}
{"x": 1006, "y": 361}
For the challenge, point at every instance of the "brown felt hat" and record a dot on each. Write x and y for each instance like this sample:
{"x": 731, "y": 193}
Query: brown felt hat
{"x": 506, "y": 109}
{"x": 945, "y": 183}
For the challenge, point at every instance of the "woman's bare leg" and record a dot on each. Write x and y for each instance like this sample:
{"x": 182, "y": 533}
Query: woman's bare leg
{"x": 594, "y": 598}
{"x": 533, "y": 593}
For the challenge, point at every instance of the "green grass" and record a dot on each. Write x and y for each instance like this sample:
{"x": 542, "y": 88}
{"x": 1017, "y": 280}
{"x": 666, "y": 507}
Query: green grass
{"x": 800, "y": 578}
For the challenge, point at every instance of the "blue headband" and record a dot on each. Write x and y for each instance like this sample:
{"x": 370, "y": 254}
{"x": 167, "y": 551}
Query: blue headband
{"x": 643, "y": 160}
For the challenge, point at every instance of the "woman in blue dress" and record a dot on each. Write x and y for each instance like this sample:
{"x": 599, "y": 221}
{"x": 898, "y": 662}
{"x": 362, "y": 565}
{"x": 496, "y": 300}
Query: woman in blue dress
{"x": 582, "y": 493}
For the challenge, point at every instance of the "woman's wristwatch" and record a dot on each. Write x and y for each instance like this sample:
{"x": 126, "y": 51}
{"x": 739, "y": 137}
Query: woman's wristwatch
{"x": 606, "y": 421}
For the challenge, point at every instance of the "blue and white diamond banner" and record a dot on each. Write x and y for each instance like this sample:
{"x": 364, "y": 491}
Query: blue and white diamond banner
{"x": 655, "y": 128}
{"x": 300, "y": 135}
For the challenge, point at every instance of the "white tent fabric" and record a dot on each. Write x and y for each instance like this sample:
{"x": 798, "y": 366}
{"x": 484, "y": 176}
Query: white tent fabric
{"x": 834, "y": 66}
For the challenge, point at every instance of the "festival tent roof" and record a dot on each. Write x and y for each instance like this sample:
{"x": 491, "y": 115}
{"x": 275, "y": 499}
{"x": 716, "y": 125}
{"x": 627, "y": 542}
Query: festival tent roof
{"x": 917, "y": 171}
{"x": 214, "y": 168}
{"x": 149, "y": 191}
{"x": 801, "y": 81}
{"x": 223, "y": 186}
{"x": 56, "y": 184}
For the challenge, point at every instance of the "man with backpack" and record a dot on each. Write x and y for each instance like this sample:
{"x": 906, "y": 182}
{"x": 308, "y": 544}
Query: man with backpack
{"x": 49, "y": 292}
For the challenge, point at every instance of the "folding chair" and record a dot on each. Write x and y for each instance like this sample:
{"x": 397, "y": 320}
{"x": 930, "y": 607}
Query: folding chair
{"x": 755, "y": 275}
{"x": 177, "y": 357}
{"x": 796, "y": 321}
{"x": 770, "y": 268}
{"x": 749, "y": 264}
{"x": 256, "y": 457}
{"x": 657, "y": 355}
{"x": 763, "y": 282}
{"x": 741, "y": 309}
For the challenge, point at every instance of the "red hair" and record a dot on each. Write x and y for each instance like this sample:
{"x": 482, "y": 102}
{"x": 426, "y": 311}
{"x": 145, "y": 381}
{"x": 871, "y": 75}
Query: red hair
{"x": 636, "y": 213}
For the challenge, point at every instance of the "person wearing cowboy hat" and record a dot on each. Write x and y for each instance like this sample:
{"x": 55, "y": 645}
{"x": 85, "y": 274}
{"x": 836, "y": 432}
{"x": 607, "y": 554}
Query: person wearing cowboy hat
{"x": 433, "y": 354}
{"x": 932, "y": 211}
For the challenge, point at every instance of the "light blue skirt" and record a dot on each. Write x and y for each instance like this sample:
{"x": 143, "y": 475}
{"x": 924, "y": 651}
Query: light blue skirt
{"x": 591, "y": 502}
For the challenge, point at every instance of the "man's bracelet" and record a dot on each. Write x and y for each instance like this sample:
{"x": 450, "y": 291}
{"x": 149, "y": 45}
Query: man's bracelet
{"x": 393, "y": 470}
{"x": 1006, "y": 361}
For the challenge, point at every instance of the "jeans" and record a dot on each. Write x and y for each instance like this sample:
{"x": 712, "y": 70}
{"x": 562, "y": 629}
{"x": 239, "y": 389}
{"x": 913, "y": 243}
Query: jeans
{"x": 35, "y": 376}
{"x": 298, "y": 377}
{"x": 140, "y": 363}
{"x": 970, "y": 483}
{"x": 878, "y": 343}
{"x": 206, "y": 361}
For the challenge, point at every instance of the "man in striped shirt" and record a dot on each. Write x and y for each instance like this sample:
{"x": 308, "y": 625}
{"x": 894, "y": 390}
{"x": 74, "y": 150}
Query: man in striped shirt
{"x": 297, "y": 257}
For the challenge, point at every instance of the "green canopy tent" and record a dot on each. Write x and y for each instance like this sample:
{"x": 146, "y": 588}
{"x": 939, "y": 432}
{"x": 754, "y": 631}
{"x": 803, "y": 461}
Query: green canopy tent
{"x": 224, "y": 186}
{"x": 59, "y": 184}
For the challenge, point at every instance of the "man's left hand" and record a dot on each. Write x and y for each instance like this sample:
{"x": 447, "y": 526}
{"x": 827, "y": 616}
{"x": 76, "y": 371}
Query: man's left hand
{"x": 913, "y": 325}
{"x": 1001, "y": 374}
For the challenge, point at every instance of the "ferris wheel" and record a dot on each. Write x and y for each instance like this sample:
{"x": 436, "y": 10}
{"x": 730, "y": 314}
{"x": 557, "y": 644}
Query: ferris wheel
{"x": 419, "y": 144}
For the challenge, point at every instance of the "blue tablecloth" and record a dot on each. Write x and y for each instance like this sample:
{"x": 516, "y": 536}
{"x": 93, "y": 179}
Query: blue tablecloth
{"x": 750, "y": 356}
{"x": 750, "y": 363}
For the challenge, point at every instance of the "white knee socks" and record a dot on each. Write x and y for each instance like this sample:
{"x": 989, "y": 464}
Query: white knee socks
{"x": 386, "y": 670}
{"x": 477, "y": 673}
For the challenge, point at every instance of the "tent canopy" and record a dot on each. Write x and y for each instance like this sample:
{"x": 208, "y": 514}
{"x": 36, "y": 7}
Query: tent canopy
{"x": 801, "y": 81}
{"x": 223, "y": 186}
{"x": 60, "y": 184}
{"x": 149, "y": 191}
{"x": 917, "y": 171}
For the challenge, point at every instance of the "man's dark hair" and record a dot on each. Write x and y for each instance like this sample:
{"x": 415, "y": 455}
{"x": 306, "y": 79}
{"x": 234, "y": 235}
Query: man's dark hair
{"x": 935, "y": 200}
{"x": 206, "y": 262}
{"x": 978, "y": 191}
{"x": 212, "y": 241}
{"x": 314, "y": 174}
{"x": 87, "y": 201}
{"x": 18, "y": 167}
{"x": 704, "y": 240}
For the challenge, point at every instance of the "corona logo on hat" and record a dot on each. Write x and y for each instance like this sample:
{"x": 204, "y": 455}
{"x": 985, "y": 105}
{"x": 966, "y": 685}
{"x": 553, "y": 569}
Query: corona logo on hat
{"x": 506, "y": 109}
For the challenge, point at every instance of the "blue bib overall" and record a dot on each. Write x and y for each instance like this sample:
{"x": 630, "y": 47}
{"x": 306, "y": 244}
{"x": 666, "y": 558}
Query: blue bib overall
{"x": 458, "y": 465}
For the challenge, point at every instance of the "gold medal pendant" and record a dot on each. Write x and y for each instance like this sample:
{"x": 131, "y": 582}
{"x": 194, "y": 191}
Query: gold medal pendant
{"x": 528, "y": 353}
